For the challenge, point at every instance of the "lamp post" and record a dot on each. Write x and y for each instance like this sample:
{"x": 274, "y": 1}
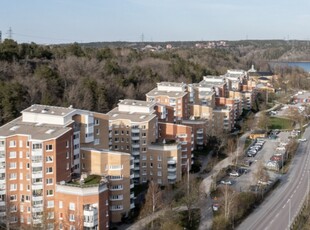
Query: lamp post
{"x": 289, "y": 213}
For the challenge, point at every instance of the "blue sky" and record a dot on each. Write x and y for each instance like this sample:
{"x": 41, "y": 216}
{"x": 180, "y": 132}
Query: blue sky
{"x": 58, "y": 21}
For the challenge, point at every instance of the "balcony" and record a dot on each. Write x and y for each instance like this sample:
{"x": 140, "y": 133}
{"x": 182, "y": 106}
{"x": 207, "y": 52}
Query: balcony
{"x": 192, "y": 155}
{"x": 183, "y": 142}
{"x": 2, "y": 192}
{"x": 136, "y": 168}
{"x": 37, "y": 209}
{"x": 200, "y": 137}
{"x": 172, "y": 169}
{"x": 172, "y": 177}
{"x": 2, "y": 203}
{"x": 2, "y": 169}
{"x": 36, "y": 164}
{"x": 132, "y": 205}
{"x": 37, "y": 198}
{"x": 132, "y": 176}
{"x": 135, "y": 138}
{"x": 171, "y": 162}
{"x": 37, "y": 186}
{"x": 135, "y": 153}
{"x": 37, "y": 174}
{"x": 2, "y": 213}
{"x": 184, "y": 150}
{"x": 132, "y": 195}
{"x": 184, "y": 156}
{"x": 2, "y": 158}
{"x": 136, "y": 175}
{"x": 199, "y": 142}
{"x": 200, "y": 131}
{"x": 37, "y": 152}
{"x": 135, "y": 130}
{"x": 132, "y": 186}
{"x": 136, "y": 160}
{"x": 136, "y": 145}
{"x": 37, "y": 221}
{"x": 132, "y": 166}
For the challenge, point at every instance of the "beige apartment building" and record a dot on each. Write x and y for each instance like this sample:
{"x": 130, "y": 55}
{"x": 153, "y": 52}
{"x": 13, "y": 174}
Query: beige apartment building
{"x": 133, "y": 126}
{"x": 118, "y": 168}
{"x": 183, "y": 135}
{"x": 163, "y": 165}
{"x": 171, "y": 94}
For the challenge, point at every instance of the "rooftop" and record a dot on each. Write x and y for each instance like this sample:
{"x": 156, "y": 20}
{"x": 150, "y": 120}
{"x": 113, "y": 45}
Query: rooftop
{"x": 51, "y": 110}
{"x": 174, "y": 94}
{"x": 135, "y": 103}
{"x": 36, "y": 131}
{"x": 116, "y": 114}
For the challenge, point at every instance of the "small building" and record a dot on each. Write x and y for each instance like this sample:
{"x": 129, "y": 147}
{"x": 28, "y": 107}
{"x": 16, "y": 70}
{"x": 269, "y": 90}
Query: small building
{"x": 258, "y": 134}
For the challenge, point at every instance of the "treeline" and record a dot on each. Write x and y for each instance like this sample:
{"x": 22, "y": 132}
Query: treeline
{"x": 94, "y": 78}
{"x": 97, "y": 78}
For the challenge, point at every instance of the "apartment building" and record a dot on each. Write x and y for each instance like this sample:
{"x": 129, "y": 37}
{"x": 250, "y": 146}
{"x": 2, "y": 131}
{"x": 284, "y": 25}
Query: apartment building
{"x": 39, "y": 151}
{"x": 118, "y": 168}
{"x": 223, "y": 119}
{"x": 133, "y": 126}
{"x": 171, "y": 94}
{"x": 183, "y": 135}
{"x": 163, "y": 165}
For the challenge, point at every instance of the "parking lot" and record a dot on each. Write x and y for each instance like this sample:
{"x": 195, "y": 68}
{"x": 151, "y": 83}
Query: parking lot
{"x": 247, "y": 177}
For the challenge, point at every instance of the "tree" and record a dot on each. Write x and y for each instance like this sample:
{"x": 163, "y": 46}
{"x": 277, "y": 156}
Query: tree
{"x": 263, "y": 121}
{"x": 153, "y": 200}
{"x": 261, "y": 174}
{"x": 229, "y": 200}
{"x": 192, "y": 195}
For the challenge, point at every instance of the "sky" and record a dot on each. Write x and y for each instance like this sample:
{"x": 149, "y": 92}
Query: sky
{"x": 66, "y": 21}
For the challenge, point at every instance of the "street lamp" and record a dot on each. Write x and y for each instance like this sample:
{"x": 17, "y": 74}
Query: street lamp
{"x": 289, "y": 214}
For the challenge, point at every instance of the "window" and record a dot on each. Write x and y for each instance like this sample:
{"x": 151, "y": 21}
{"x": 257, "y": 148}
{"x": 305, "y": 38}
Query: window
{"x": 159, "y": 165}
{"x": 21, "y": 187}
{"x": 151, "y": 157}
{"x": 50, "y": 204}
{"x": 13, "y": 176}
{"x": 49, "y": 159}
{"x": 97, "y": 131}
{"x": 144, "y": 157}
{"x": 67, "y": 144}
{"x": 60, "y": 216}
{"x": 116, "y": 132}
{"x": 27, "y": 165}
{"x": 12, "y": 165}
{"x": 20, "y": 154}
{"x": 143, "y": 164}
{"x": 49, "y": 147}
{"x": 151, "y": 165}
{"x": 49, "y": 192}
{"x": 68, "y": 166}
{"x": 37, "y": 146}
{"x": 60, "y": 204}
{"x": 13, "y": 208}
{"x": 159, "y": 158}
{"x": 159, "y": 181}
{"x": 20, "y": 176}
{"x": 83, "y": 165}
{"x": 71, "y": 218}
{"x": 21, "y": 208}
{"x": 96, "y": 121}
{"x": 28, "y": 209}
{"x": 72, "y": 206}
{"x": 27, "y": 144}
{"x": 13, "y": 197}
{"x": 49, "y": 170}
{"x": 50, "y": 215}
{"x": 49, "y": 181}
{"x": 12, "y": 154}
{"x": 159, "y": 173}
{"x": 13, "y": 187}
{"x": 143, "y": 134}
{"x": 12, "y": 144}
{"x": 67, "y": 155}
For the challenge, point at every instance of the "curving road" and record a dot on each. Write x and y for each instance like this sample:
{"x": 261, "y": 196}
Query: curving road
{"x": 278, "y": 211}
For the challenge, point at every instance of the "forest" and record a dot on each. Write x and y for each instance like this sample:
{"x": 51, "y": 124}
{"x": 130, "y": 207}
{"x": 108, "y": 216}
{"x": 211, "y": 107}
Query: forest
{"x": 95, "y": 77}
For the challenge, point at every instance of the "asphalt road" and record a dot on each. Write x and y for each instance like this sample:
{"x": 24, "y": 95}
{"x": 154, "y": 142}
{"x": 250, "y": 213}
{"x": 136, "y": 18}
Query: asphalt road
{"x": 278, "y": 211}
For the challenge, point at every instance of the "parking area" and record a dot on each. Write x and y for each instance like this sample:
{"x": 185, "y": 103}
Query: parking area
{"x": 242, "y": 178}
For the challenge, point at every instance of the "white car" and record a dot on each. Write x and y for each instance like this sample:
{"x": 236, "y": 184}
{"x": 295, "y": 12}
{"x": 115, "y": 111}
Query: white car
{"x": 234, "y": 173}
{"x": 228, "y": 182}
{"x": 302, "y": 140}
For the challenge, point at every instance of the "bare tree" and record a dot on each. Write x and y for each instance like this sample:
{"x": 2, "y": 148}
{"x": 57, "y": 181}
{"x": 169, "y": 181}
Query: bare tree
{"x": 229, "y": 201}
{"x": 261, "y": 174}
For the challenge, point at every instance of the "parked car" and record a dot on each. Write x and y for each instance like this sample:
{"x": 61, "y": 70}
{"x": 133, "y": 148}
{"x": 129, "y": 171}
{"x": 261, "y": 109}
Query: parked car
{"x": 234, "y": 173}
{"x": 228, "y": 182}
{"x": 302, "y": 140}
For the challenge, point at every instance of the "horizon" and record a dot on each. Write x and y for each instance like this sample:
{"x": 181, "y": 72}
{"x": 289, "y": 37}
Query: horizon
{"x": 58, "y": 21}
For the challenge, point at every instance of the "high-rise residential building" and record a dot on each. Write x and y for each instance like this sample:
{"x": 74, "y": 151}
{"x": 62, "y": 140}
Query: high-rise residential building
{"x": 118, "y": 168}
{"x": 174, "y": 95}
{"x": 133, "y": 126}
{"x": 183, "y": 135}
{"x": 39, "y": 163}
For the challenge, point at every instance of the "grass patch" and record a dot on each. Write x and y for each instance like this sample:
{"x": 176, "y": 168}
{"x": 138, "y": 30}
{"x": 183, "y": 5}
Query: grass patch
{"x": 247, "y": 143}
{"x": 280, "y": 123}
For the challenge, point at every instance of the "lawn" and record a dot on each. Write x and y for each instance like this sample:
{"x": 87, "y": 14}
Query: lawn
{"x": 280, "y": 123}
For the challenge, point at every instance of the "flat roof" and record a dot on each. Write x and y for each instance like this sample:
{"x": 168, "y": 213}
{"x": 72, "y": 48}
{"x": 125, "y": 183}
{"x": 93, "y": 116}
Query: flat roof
{"x": 115, "y": 114}
{"x": 105, "y": 151}
{"x": 174, "y": 84}
{"x": 136, "y": 103}
{"x": 51, "y": 110}
{"x": 176, "y": 94}
{"x": 34, "y": 130}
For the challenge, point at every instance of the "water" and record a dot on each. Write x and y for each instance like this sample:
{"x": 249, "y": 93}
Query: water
{"x": 304, "y": 65}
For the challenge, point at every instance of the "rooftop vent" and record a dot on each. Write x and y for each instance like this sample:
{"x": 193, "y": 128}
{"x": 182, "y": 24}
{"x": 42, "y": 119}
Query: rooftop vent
{"x": 50, "y": 131}
{"x": 14, "y": 128}
{"x": 44, "y": 110}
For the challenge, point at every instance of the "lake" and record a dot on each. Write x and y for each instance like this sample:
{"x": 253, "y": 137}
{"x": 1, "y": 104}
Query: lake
{"x": 303, "y": 65}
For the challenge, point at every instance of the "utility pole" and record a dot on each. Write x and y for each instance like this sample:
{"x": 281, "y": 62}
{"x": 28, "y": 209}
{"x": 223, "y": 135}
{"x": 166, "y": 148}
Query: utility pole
{"x": 0, "y": 36}
{"x": 10, "y": 32}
